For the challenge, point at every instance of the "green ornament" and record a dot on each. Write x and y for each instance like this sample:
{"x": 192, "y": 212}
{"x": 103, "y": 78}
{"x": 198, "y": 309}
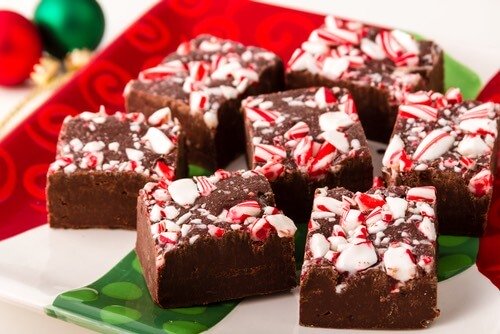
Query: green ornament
{"x": 66, "y": 25}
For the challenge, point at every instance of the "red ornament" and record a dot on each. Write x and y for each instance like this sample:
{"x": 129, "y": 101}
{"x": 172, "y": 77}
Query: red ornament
{"x": 20, "y": 48}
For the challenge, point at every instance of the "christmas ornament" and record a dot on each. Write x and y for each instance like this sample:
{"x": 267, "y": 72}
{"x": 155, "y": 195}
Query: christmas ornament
{"x": 20, "y": 48}
{"x": 67, "y": 25}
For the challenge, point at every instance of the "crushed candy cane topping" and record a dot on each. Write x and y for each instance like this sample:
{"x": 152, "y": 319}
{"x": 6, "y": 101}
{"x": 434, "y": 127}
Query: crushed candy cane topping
{"x": 389, "y": 229}
{"x": 367, "y": 55}
{"x": 309, "y": 130}
{"x": 445, "y": 133}
{"x": 186, "y": 210}
{"x": 119, "y": 143}
{"x": 205, "y": 72}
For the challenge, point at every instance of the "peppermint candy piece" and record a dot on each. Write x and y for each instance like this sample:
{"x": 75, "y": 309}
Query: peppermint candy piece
{"x": 368, "y": 202}
{"x": 205, "y": 187}
{"x": 422, "y": 194}
{"x": 265, "y": 153}
{"x": 160, "y": 116}
{"x": 333, "y": 68}
{"x": 215, "y": 231}
{"x": 334, "y": 121}
{"x": 454, "y": 95}
{"x": 198, "y": 101}
{"x": 479, "y": 126}
{"x": 418, "y": 111}
{"x": 372, "y": 49}
{"x": 183, "y": 191}
{"x": 324, "y": 97}
{"x": 426, "y": 226}
{"x": 283, "y": 225}
{"x": 134, "y": 155}
{"x": 198, "y": 70}
{"x": 406, "y": 41}
{"x": 399, "y": 263}
{"x": 162, "y": 71}
{"x": 257, "y": 114}
{"x": 434, "y": 145}
{"x": 261, "y": 230}
{"x": 327, "y": 204}
{"x": 421, "y": 97}
{"x": 318, "y": 245}
{"x": 302, "y": 60}
{"x": 271, "y": 170}
{"x": 303, "y": 151}
{"x": 481, "y": 184}
{"x": 210, "y": 119}
{"x": 334, "y": 35}
{"x": 323, "y": 159}
{"x": 243, "y": 210}
{"x": 93, "y": 146}
{"x": 297, "y": 131}
{"x": 159, "y": 141}
{"x": 351, "y": 219}
{"x": 168, "y": 238}
{"x": 337, "y": 139}
{"x": 472, "y": 147}
{"x": 393, "y": 151}
{"x": 357, "y": 257}
{"x": 389, "y": 45}
{"x": 164, "y": 170}
{"x": 485, "y": 110}
{"x": 397, "y": 206}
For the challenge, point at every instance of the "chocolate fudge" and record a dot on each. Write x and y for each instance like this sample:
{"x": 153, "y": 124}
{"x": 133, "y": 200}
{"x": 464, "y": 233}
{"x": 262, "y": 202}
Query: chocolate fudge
{"x": 102, "y": 161}
{"x": 377, "y": 65}
{"x": 370, "y": 259}
{"x": 203, "y": 83}
{"x": 452, "y": 145}
{"x": 305, "y": 139}
{"x": 211, "y": 239}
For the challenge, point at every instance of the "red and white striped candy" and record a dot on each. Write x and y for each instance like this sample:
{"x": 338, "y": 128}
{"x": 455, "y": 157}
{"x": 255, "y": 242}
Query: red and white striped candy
{"x": 389, "y": 45}
{"x": 205, "y": 187}
{"x": 356, "y": 257}
{"x": 481, "y": 111}
{"x": 257, "y": 114}
{"x": 282, "y": 224}
{"x": 481, "y": 184}
{"x": 271, "y": 170}
{"x": 160, "y": 116}
{"x": 243, "y": 210}
{"x": 184, "y": 48}
{"x": 158, "y": 140}
{"x": 422, "y": 194}
{"x": 467, "y": 162}
{"x": 372, "y": 49}
{"x": 454, "y": 95}
{"x": 168, "y": 238}
{"x": 323, "y": 159}
{"x": 162, "y": 71}
{"x": 303, "y": 151}
{"x": 337, "y": 36}
{"x": 198, "y": 70}
{"x": 407, "y": 59}
{"x": 338, "y": 231}
{"x": 374, "y": 216}
{"x": 265, "y": 153}
{"x": 300, "y": 60}
{"x": 324, "y": 97}
{"x": 215, "y": 231}
{"x": 351, "y": 219}
{"x": 399, "y": 263}
{"x": 393, "y": 151}
{"x": 328, "y": 204}
{"x": 261, "y": 230}
{"x": 418, "y": 111}
{"x": 434, "y": 145}
{"x": 297, "y": 131}
{"x": 198, "y": 101}
{"x": 405, "y": 41}
{"x": 418, "y": 98}
{"x": 347, "y": 105}
{"x": 337, "y": 139}
{"x": 368, "y": 202}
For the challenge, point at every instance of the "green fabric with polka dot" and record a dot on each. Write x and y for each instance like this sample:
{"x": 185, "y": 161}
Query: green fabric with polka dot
{"x": 119, "y": 302}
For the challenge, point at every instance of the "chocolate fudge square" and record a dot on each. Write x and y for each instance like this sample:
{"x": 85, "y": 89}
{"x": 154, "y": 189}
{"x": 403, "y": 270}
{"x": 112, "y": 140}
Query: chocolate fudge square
{"x": 102, "y": 161}
{"x": 377, "y": 65}
{"x": 306, "y": 139}
{"x": 203, "y": 83}
{"x": 211, "y": 239}
{"x": 452, "y": 145}
{"x": 370, "y": 259}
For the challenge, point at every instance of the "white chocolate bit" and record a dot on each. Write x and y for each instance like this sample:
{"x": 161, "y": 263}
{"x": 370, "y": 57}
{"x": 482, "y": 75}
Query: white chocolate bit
{"x": 318, "y": 245}
{"x": 283, "y": 225}
{"x": 93, "y": 146}
{"x": 159, "y": 141}
{"x": 76, "y": 144}
{"x": 114, "y": 146}
{"x": 184, "y": 191}
{"x": 399, "y": 264}
{"x": 356, "y": 257}
{"x": 397, "y": 206}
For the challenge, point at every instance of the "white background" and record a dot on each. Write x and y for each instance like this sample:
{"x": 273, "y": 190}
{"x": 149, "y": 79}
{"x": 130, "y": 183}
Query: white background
{"x": 468, "y": 30}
